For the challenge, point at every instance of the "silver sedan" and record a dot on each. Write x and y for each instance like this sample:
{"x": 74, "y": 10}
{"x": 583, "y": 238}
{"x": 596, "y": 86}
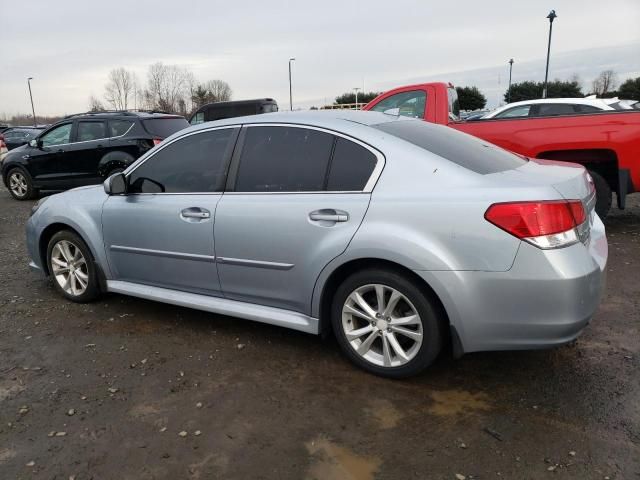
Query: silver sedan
{"x": 395, "y": 235}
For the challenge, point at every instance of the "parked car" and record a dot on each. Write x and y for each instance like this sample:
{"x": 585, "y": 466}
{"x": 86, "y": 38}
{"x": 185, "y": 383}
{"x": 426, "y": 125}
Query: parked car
{"x": 237, "y": 108}
{"x": 17, "y": 136}
{"x": 606, "y": 143}
{"x": 84, "y": 149}
{"x": 396, "y": 235}
{"x": 548, "y": 107}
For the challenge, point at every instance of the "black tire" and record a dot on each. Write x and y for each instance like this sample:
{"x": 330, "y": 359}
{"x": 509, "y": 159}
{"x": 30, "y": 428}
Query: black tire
{"x": 429, "y": 318}
{"x": 20, "y": 184}
{"x": 603, "y": 194}
{"x": 88, "y": 268}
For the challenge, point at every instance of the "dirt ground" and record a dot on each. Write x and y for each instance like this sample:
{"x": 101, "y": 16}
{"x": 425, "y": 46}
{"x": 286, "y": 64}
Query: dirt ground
{"x": 132, "y": 389}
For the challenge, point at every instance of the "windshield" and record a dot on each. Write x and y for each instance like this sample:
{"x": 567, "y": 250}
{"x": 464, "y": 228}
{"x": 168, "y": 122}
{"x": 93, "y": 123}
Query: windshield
{"x": 462, "y": 149}
{"x": 165, "y": 127}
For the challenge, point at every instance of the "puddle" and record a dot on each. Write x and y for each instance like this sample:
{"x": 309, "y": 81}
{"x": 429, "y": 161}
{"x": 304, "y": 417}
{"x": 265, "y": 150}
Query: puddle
{"x": 456, "y": 402}
{"x": 384, "y": 413}
{"x": 335, "y": 462}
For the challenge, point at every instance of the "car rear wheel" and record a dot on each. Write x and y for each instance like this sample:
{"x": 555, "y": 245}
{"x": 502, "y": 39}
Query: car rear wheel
{"x": 385, "y": 324}
{"x": 20, "y": 184}
{"x": 71, "y": 267}
{"x": 603, "y": 194}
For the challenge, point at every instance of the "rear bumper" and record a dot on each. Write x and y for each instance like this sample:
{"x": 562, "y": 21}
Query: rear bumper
{"x": 545, "y": 300}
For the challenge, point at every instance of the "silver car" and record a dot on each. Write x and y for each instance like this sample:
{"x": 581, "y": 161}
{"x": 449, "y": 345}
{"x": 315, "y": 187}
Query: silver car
{"x": 396, "y": 235}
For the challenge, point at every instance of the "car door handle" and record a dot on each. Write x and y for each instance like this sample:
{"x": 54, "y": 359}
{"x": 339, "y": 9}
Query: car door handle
{"x": 195, "y": 212}
{"x": 329, "y": 215}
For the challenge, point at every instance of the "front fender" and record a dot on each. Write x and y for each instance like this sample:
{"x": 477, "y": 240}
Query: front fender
{"x": 80, "y": 210}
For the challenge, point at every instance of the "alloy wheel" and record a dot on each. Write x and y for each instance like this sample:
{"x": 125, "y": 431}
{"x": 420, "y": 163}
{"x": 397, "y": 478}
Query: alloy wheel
{"x": 69, "y": 268}
{"x": 18, "y": 184}
{"x": 382, "y": 325}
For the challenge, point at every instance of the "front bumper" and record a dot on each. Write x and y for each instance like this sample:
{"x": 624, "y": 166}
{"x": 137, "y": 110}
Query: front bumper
{"x": 546, "y": 299}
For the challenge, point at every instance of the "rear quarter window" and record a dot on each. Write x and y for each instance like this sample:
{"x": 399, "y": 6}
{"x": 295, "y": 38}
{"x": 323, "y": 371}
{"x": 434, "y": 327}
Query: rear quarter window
{"x": 462, "y": 149}
{"x": 164, "y": 127}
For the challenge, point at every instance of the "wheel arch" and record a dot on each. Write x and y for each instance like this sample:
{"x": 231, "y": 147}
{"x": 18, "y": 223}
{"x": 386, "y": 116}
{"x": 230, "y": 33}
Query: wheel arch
{"x": 115, "y": 159}
{"x": 332, "y": 281}
{"x": 603, "y": 161}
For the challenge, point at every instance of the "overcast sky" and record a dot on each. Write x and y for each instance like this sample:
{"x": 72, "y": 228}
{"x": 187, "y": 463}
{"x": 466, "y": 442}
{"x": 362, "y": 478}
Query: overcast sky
{"x": 69, "y": 46}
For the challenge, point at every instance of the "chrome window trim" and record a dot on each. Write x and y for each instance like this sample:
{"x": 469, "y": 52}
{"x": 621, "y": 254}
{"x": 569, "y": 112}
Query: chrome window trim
{"x": 368, "y": 188}
{"x": 95, "y": 139}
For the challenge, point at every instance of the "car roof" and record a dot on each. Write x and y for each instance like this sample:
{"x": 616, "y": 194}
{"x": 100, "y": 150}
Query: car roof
{"x": 354, "y": 123}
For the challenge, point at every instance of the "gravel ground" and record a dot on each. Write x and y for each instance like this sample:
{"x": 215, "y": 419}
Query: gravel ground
{"x": 131, "y": 389}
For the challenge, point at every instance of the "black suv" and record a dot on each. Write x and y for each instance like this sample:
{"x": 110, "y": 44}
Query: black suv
{"x": 84, "y": 149}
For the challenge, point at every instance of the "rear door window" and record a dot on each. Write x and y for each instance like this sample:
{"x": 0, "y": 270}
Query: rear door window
{"x": 283, "y": 159}
{"x": 351, "y": 166}
{"x": 88, "y": 131}
{"x": 552, "y": 109}
{"x": 164, "y": 127}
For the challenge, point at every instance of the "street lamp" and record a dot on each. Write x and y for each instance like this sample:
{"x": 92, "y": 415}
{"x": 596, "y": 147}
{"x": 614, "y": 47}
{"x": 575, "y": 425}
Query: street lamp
{"x": 552, "y": 15}
{"x": 356, "y": 89}
{"x": 509, "y": 90}
{"x": 33, "y": 110}
{"x": 290, "y": 92}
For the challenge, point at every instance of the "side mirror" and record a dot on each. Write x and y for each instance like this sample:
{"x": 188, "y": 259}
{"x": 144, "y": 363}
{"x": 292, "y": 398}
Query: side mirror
{"x": 34, "y": 143}
{"x": 116, "y": 184}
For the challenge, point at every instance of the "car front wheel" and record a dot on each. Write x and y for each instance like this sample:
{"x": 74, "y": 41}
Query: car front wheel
{"x": 71, "y": 267}
{"x": 20, "y": 184}
{"x": 385, "y": 323}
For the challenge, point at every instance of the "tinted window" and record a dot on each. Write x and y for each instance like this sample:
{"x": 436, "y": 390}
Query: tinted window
{"x": 588, "y": 109}
{"x": 196, "y": 163}
{"x": 408, "y": 104}
{"x": 546, "y": 110}
{"x": 57, "y": 136}
{"x": 521, "y": 111}
{"x": 351, "y": 166}
{"x": 119, "y": 127}
{"x": 283, "y": 159}
{"x": 90, "y": 131}
{"x": 165, "y": 127}
{"x": 464, "y": 150}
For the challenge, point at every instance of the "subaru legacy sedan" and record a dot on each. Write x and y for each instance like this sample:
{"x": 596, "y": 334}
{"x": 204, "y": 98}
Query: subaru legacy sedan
{"x": 397, "y": 236}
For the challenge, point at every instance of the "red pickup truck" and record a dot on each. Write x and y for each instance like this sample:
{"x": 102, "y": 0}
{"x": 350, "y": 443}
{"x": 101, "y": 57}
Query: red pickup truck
{"x": 607, "y": 143}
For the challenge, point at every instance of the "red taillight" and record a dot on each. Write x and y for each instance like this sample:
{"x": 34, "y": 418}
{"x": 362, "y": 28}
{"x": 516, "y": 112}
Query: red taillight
{"x": 156, "y": 141}
{"x": 2, "y": 144}
{"x": 539, "y": 222}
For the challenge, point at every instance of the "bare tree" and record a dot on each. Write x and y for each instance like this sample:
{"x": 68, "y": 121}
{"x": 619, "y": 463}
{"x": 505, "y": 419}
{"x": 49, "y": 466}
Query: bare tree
{"x": 119, "y": 89}
{"x": 168, "y": 86}
{"x": 604, "y": 83}
{"x": 219, "y": 90}
{"x": 95, "y": 105}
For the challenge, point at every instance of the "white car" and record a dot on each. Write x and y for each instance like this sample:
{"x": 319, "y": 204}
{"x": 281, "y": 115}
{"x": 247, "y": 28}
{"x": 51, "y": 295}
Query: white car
{"x": 548, "y": 107}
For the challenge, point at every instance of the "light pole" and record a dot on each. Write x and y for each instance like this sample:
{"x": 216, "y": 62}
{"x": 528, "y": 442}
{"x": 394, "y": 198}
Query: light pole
{"x": 290, "y": 91}
{"x": 509, "y": 90}
{"x": 356, "y": 89}
{"x": 33, "y": 110}
{"x": 552, "y": 15}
